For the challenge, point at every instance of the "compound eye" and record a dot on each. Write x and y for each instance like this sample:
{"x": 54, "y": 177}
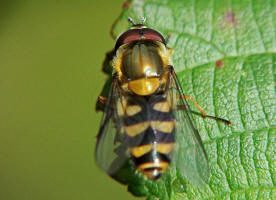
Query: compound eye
{"x": 138, "y": 34}
{"x": 128, "y": 36}
{"x": 151, "y": 34}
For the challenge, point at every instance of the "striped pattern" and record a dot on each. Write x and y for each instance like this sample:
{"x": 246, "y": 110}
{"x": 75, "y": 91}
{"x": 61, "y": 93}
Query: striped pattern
{"x": 149, "y": 132}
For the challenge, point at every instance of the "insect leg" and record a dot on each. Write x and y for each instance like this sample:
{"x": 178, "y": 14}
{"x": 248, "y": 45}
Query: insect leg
{"x": 203, "y": 113}
{"x": 182, "y": 107}
{"x": 102, "y": 100}
{"x": 130, "y": 20}
{"x": 196, "y": 104}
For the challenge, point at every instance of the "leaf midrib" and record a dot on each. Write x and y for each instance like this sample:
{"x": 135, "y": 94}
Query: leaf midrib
{"x": 228, "y": 57}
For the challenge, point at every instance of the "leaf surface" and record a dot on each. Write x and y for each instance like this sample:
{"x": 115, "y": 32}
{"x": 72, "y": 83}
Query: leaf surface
{"x": 224, "y": 55}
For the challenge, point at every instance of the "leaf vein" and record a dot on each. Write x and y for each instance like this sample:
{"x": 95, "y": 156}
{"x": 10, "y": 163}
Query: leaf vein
{"x": 192, "y": 77}
{"x": 257, "y": 189}
{"x": 194, "y": 15}
{"x": 212, "y": 23}
{"x": 221, "y": 168}
{"x": 238, "y": 97}
{"x": 258, "y": 93}
{"x": 245, "y": 172}
{"x": 257, "y": 26}
{"x": 202, "y": 39}
{"x": 235, "y": 34}
{"x": 214, "y": 105}
{"x": 272, "y": 21}
{"x": 229, "y": 57}
{"x": 267, "y": 159}
{"x": 237, "y": 134}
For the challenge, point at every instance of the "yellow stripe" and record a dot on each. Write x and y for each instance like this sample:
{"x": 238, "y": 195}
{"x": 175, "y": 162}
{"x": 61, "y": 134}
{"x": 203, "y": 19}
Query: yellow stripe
{"x": 141, "y": 150}
{"x": 121, "y": 107}
{"x": 135, "y": 129}
{"x": 166, "y": 126}
{"x": 165, "y": 148}
{"x": 162, "y": 106}
{"x": 162, "y": 165}
{"x": 144, "y": 86}
{"x": 132, "y": 110}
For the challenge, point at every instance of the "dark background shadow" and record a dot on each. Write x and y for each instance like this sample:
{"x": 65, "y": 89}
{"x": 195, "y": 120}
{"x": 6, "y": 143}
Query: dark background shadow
{"x": 51, "y": 58}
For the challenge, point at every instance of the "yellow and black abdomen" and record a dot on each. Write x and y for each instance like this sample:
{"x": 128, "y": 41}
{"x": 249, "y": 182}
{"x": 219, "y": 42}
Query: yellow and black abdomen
{"x": 149, "y": 133}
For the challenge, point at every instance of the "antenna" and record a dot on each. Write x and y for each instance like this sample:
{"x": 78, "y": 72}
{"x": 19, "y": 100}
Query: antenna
{"x": 131, "y": 21}
{"x": 142, "y": 21}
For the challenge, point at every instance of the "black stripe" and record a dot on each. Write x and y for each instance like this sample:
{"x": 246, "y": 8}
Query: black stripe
{"x": 150, "y": 169}
{"x": 135, "y": 119}
{"x": 157, "y": 98}
{"x": 162, "y": 137}
{"x": 151, "y": 157}
{"x": 160, "y": 116}
{"x": 144, "y": 116}
{"x": 147, "y": 112}
{"x": 134, "y": 100}
{"x": 149, "y": 136}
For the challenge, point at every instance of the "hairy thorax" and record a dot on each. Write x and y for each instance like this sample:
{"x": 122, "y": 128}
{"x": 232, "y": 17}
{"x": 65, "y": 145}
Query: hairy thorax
{"x": 141, "y": 66}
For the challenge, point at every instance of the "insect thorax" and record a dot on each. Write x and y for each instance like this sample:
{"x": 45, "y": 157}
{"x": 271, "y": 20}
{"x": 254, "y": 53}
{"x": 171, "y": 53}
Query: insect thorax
{"x": 142, "y": 66}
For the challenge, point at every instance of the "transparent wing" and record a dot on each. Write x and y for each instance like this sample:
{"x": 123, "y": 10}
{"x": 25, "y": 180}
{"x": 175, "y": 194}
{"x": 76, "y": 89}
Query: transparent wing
{"x": 189, "y": 156}
{"x": 111, "y": 150}
{"x": 113, "y": 144}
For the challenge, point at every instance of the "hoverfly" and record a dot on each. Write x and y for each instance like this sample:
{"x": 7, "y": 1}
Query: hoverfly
{"x": 146, "y": 113}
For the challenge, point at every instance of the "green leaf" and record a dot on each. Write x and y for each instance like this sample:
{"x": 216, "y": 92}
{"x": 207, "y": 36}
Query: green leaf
{"x": 224, "y": 55}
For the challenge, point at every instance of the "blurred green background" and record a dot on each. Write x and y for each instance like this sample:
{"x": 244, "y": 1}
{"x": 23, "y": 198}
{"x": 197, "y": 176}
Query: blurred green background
{"x": 51, "y": 56}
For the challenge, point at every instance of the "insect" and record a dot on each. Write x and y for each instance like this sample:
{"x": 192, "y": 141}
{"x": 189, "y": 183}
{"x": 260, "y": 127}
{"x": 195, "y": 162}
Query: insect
{"x": 146, "y": 114}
